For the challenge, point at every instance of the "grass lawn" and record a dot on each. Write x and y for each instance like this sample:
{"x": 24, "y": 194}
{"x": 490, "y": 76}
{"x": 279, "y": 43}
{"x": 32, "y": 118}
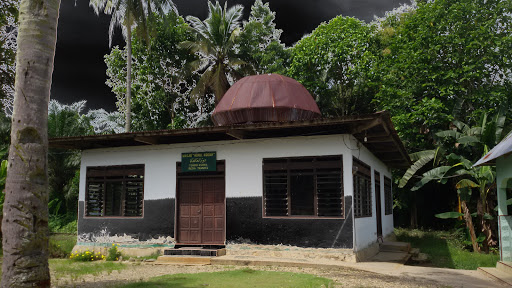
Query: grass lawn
{"x": 445, "y": 249}
{"x": 236, "y": 278}
{"x": 74, "y": 269}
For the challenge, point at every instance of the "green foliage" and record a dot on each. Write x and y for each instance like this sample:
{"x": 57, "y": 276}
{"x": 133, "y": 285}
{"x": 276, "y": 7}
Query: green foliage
{"x": 160, "y": 85}
{"x": 63, "y": 223}
{"x": 86, "y": 256}
{"x": 443, "y": 57}
{"x": 68, "y": 268}
{"x": 259, "y": 41}
{"x": 335, "y": 63}
{"x": 425, "y": 157}
{"x": 449, "y": 215}
{"x": 113, "y": 253}
{"x": 63, "y": 165}
{"x": 231, "y": 279}
{"x": 8, "y": 19}
{"x": 215, "y": 39}
{"x": 61, "y": 245}
{"x": 128, "y": 13}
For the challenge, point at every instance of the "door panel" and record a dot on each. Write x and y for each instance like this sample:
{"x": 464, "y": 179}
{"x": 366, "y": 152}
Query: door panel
{"x": 213, "y": 206}
{"x": 201, "y": 211}
{"x": 190, "y": 211}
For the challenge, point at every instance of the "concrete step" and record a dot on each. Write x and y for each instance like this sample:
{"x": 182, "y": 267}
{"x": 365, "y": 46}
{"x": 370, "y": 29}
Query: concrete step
{"x": 420, "y": 258}
{"x": 498, "y": 275}
{"x": 414, "y": 252}
{"x": 395, "y": 247}
{"x": 195, "y": 251}
{"x": 394, "y": 256}
{"x": 504, "y": 266}
{"x": 183, "y": 260}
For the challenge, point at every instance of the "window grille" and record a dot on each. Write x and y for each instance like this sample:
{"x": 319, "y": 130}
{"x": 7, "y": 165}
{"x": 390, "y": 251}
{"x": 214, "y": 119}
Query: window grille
{"x": 362, "y": 189}
{"x": 303, "y": 187}
{"x": 114, "y": 191}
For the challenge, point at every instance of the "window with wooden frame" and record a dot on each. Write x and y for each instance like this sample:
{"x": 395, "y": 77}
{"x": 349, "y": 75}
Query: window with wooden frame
{"x": 362, "y": 189}
{"x": 303, "y": 187}
{"x": 388, "y": 197}
{"x": 114, "y": 191}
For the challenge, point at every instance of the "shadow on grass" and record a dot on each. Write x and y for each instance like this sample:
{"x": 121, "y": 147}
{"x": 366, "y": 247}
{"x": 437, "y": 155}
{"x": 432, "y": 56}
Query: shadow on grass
{"x": 236, "y": 278}
{"x": 430, "y": 243}
{"x": 445, "y": 249}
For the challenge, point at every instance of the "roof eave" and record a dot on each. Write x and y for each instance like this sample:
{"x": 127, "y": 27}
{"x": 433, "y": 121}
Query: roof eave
{"x": 375, "y": 131}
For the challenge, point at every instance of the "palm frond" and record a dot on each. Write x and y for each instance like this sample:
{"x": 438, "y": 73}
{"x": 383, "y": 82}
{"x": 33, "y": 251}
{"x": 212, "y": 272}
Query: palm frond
{"x": 418, "y": 155}
{"x": 449, "y": 134}
{"x": 437, "y": 173}
{"x": 426, "y": 157}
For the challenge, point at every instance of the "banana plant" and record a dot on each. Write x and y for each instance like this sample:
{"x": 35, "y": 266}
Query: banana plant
{"x": 453, "y": 159}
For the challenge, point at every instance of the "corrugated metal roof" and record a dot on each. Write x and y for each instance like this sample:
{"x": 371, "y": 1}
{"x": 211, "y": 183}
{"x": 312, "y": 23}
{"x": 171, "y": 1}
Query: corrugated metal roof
{"x": 264, "y": 98}
{"x": 503, "y": 148}
{"x": 375, "y": 131}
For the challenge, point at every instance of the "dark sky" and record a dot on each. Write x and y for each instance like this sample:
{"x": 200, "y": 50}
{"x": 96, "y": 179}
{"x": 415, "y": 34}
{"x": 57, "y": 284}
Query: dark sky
{"x": 82, "y": 40}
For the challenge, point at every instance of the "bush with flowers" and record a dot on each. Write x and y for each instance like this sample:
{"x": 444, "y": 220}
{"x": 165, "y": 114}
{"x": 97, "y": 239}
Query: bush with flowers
{"x": 86, "y": 256}
{"x": 113, "y": 253}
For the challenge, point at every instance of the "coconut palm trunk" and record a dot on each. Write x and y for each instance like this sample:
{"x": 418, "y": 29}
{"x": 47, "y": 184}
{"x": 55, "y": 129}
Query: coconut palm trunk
{"x": 128, "y": 78}
{"x": 25, "y": 223}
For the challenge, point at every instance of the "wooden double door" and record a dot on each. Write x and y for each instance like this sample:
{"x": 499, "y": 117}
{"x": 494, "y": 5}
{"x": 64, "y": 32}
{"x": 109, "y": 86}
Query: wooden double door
{"x": 201, "y": 211}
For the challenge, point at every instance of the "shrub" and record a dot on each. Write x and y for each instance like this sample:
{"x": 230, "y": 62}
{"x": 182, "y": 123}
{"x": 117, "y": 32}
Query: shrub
{"x": 61, "y": 245}
{"x": 62, "y": 223}
{"x": 113, "y": 253}
{"x": 86, "y": 256}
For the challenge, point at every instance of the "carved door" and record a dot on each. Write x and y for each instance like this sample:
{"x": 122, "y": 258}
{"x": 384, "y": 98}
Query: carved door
{"x": 201, "y": 211}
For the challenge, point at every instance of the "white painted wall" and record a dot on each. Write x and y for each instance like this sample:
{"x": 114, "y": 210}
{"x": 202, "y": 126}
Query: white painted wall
{"x": 503, "y": 176}
{"x": 243, "y": 161}
{"x": 244, "y": 168}
{"x": 365, "y": 229}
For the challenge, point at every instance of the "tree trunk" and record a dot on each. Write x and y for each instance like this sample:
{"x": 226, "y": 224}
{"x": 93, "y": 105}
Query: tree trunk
{"x": 485, "y": 226}
{"x": 469, "y": 224}
{"x": 414, "y": 212}
{"x": 128, "y": 78}
{"x": 25, "y": 223}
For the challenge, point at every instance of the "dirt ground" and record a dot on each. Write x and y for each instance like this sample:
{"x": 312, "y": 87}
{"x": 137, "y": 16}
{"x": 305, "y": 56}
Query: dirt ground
{"x": 343, "y": 277}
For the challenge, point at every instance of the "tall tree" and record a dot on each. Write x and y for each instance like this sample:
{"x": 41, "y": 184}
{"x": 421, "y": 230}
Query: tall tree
{"x": 442, "y": 56}
{"x": 65, "y": 121}
{"x": 215, "y": 41}
{"x": 335, "y": 63}
{"x": 159, "y": 80}
{"x": 25, "y": 225}
{"x": 129, "y": 14}
{"x": 259, "y": 42}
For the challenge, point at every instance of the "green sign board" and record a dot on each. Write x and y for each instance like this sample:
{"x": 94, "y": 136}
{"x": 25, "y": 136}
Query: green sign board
{"x": 199, "y": 161}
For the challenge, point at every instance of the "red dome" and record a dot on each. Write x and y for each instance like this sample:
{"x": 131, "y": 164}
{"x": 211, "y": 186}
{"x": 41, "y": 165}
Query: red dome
{"x": 265, "y": 98}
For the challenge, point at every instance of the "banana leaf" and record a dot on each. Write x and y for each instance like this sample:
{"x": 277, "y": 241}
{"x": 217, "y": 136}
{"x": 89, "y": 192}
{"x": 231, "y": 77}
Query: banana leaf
{"x": 449, "y": 215}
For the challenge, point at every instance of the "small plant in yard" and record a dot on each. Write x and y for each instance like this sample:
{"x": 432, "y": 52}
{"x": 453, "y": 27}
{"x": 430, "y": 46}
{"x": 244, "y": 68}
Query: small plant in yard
{"x": 86, "y": 256}
{"x": 113, "y": 253}
{"x": 61, "y": 245}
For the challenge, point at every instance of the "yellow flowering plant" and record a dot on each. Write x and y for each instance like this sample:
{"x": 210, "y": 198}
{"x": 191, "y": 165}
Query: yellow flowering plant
{"x": 113, "y": 253}
{"x": 86, "y": 256}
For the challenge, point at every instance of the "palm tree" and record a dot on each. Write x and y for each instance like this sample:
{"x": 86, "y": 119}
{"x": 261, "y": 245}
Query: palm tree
{"x": 129, "y": 14}
{"x": 25, "y": 225}
{"x": 215, "y": 42}
{"x": 64, "y": 121}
